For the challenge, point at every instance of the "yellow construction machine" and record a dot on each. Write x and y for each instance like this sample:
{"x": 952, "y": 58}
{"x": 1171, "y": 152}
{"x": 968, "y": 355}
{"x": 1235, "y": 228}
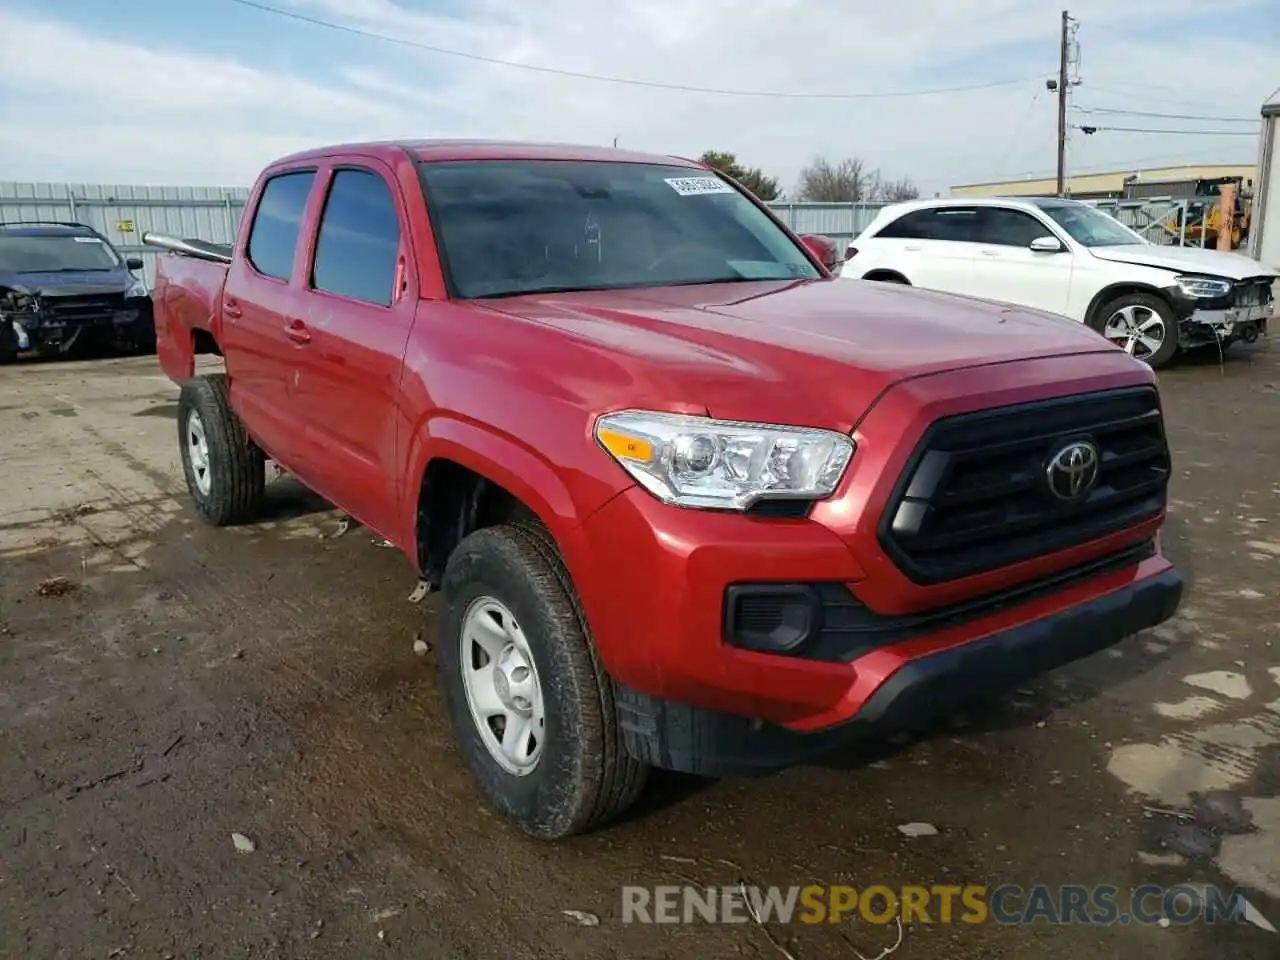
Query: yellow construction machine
{"x": 1197, "y": 218}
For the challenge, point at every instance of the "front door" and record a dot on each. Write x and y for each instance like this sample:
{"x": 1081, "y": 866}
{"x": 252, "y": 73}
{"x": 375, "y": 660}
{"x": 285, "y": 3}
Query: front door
{"x": 352, "y": 325}
{"x": 1006, "y": 268}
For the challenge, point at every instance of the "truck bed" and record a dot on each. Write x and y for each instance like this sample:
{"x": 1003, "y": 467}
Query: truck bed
{"x": 187, "y": 299}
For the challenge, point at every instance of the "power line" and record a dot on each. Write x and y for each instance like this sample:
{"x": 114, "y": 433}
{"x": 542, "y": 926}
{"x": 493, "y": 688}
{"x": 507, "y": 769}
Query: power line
{"x": 1088, "y": 130}
{"x": 626, "y": 81}
{"x": 1166, "y": 116}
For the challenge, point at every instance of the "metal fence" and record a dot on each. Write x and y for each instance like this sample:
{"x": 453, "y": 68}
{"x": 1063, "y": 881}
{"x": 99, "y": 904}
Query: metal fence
{"x": 1162, "y": 220}
{"x": 839, "y": 221}
{"x": 123, "y": 212}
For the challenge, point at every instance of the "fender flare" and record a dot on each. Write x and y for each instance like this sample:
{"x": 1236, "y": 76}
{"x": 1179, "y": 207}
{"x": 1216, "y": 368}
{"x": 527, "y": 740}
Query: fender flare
{"x": 505, "y": 461}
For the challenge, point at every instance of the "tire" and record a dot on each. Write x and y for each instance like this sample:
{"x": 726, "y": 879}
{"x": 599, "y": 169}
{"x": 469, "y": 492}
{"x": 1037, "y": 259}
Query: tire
{"x": 577, "y": 775}
{"x": 1117, "y": 318}
{"x": 8, "y": 342}
{"x": 889, "y": 278}
{"x": 226, "y": 472}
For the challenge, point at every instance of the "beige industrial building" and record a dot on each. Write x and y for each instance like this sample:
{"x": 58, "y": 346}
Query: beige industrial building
{"x": 1097, "y": 186}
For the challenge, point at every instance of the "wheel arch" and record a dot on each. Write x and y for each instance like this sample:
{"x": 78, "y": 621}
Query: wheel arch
{"x": 1114, "y": 291}
{"x": 883, "y": 274}
{"x": 467, "y": 478}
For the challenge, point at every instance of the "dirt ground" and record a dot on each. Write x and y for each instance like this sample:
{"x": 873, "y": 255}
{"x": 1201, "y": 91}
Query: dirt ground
{"x": 183, "y": 684}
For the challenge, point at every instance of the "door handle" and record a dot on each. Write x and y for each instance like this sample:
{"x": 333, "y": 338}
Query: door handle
{"x": 991, "y": 253}
{"x": 231, "y": 308}
{"x": 912, "y": 249}
{"x": 297, "y": 331}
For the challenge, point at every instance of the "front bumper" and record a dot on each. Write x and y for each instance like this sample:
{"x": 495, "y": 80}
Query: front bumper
{"x": 133, "y": 324}
{"x": 691, "y": 700}
{"x": 1204, "y": 321}
{"x": 678, "y": 737}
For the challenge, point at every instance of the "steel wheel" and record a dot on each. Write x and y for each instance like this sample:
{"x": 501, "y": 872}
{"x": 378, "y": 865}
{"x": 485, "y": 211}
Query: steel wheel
{"x": 502, "y": 687}
{"x": 1138, "y": 329}
{"x": 198, "y": 452}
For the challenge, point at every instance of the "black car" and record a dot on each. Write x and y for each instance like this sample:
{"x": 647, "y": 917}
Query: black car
{"x": 64, "y": 285}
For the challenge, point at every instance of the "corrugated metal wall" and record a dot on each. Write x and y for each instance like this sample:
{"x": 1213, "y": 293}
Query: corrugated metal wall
{"x": 840, "y": 221}
{"x": 123, "y": 212}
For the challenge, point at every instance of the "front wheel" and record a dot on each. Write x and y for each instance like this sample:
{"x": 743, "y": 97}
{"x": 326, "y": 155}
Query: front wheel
{"x": 1143, "y": 325}
{"x": 226, "y": 471}
{"x": 530, "y": 704}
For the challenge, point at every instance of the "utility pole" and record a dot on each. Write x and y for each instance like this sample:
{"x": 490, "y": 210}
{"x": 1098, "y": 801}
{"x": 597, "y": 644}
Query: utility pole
{"x": 1062, "y": 105}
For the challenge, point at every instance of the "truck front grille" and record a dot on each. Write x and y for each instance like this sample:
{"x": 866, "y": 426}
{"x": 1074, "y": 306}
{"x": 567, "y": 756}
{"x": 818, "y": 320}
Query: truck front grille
{"x": 87, "y": 309}
{"x": 976, "y": 494}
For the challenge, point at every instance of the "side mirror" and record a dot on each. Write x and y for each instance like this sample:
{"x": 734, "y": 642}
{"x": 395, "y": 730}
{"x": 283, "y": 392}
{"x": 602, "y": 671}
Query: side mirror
{"x": 134, "y": 263}
{"x": 1046, "y": 245}
{"x": 824, "y": 248}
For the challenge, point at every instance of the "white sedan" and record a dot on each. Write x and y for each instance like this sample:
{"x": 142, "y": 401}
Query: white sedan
{"x": 1070, "y": 258}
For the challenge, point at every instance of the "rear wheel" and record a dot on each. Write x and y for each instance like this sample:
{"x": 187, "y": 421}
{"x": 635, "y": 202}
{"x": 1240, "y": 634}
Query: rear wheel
{"x": 1143, "y": 325}
{"x": 529, "y": 701}
{"x": 225, "y": 470}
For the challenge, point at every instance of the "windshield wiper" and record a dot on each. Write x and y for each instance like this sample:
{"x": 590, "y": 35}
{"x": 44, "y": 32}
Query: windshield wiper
{"x": 70, "y": 270}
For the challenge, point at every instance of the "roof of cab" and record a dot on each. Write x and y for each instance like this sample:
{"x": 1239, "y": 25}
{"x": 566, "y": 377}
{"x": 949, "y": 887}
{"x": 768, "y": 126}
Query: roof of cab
{"x": 441, "y": 150}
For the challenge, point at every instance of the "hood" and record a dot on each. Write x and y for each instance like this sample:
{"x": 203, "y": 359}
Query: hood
{"x": 69, "y": 284}
{"x": 802, "y": 352}
{"x": 1232, "y": 266}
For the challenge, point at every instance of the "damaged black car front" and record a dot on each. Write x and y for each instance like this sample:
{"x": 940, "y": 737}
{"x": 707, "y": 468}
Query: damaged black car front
{"x": 64, "y": 285}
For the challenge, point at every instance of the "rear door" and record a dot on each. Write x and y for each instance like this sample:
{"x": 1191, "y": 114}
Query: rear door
{"x": 933, "y": 247}
{"x": 1006, "y": 268}
{"x": 257, "y": 299}
{"x": 352, "y": 324}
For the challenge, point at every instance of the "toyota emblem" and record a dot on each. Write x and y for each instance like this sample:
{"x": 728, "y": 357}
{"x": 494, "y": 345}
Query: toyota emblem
{"x": 1073, "y": 470}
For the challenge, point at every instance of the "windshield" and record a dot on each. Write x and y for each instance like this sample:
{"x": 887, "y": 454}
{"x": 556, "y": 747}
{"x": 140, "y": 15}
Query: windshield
{"x": 526, "y": 226}
{"x": 54, "y": 254}
{"x": 1089, "y": 226}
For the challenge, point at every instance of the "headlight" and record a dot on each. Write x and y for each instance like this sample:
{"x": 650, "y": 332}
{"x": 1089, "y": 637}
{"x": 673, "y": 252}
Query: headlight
{"x": 717, "y": 464}
{"x": 138, "y": 289}
{"x": 1203, "y": 287}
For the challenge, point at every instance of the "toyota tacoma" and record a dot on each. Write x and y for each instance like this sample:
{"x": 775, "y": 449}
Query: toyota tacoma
{"x": 691, "y": 504}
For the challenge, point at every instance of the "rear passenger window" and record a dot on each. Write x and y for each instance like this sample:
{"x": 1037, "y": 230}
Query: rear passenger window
{"x": 274, "y": 236}
{"x": 359, "y": 239}
{"x": 911, "y": 226}
{"x": 958, "y": 224}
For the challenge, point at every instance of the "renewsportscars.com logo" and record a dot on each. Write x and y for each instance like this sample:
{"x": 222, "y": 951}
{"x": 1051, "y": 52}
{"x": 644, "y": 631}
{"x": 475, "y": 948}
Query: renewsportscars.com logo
{"x": 1102, "y": 905}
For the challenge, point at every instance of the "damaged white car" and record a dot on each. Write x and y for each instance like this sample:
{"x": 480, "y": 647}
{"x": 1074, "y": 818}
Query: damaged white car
{"x": 1070, "y": 258}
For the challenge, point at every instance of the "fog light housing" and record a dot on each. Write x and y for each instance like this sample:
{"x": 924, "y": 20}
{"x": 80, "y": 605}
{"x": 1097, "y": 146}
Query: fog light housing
{"x": 771, "y": 617}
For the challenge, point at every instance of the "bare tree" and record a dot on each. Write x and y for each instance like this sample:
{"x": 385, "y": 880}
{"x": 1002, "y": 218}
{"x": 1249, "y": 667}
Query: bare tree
{"x": 894, "y": 191}
{"x": 824, "y": 181}
{"x": 850, "y": 181}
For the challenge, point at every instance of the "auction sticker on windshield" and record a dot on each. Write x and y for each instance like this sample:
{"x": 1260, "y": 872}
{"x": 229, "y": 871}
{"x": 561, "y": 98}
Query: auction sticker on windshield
{"x": 695, "y": 186}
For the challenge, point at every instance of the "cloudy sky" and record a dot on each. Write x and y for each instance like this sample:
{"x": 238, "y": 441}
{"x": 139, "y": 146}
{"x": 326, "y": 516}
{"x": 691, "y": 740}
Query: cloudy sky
{"x": 207, "y": 91}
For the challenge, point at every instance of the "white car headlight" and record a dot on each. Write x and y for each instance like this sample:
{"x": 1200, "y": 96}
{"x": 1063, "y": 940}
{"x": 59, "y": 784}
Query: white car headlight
{"x": 137, "y": 289}
{"x": 719, "y": 464}
{"x": 1203, "y": 287}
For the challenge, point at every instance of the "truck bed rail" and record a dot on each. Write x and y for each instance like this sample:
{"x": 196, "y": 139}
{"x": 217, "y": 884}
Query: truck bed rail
{"x": 200, "y": 249}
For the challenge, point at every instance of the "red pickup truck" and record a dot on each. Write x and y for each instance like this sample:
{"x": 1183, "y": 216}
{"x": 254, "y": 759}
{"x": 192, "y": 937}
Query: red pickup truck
{"x": 691, "y": 504}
